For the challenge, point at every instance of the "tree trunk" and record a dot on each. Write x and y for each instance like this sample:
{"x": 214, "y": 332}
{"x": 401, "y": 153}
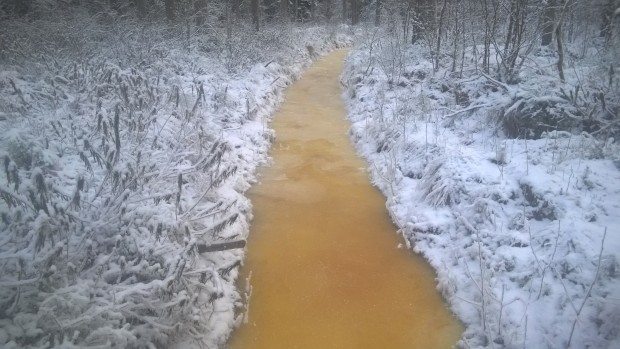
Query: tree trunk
{"x": 548, "y": 22}
{"x": 200, "y": 12}
{"x": 284, "y": 10}
{"x": 610, "y": 12}
{"x": 487, "y": 40}
{"x": 559, "y": 42}
{"x": 328, "y": 9}
{"x": 490, "y": 27}
{"x": 254, "y": 8}
{"x": 169, "y": 4}
{"x": 439, "y": 34}
{"x": 511, "y": 24}
{"x": 455, "y": 33}
{"x": 355, "y": 12}
{"x": 514, "y": 40}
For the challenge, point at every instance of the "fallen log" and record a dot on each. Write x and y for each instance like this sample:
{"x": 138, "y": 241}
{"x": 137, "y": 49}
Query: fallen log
{"x": 223, "y": 246}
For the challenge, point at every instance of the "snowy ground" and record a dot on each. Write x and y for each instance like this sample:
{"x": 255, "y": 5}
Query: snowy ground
{"x": 523, "y": 233}
{"x": 123, "y": 149}
{"x": 122, "y": 153}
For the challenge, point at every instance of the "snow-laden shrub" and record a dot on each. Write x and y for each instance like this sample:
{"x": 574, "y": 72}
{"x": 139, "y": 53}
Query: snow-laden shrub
{"x": 98, "y": 232}
{"x": 590, "y": 108}
{"x": 530, "y": 118}
{"x": 441, "y": 183}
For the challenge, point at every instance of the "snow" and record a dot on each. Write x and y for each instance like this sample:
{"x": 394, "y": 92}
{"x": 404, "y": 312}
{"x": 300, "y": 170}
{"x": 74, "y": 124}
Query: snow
{"x": 120, "y": 156}
{"x": 522, "y": 232}
{"x": 122, "y": 151}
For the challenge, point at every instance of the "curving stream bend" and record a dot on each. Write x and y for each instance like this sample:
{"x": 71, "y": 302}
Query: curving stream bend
{"x": 326, "y": 270}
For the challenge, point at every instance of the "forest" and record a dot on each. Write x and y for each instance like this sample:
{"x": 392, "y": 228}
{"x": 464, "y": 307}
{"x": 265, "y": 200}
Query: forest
{"x": 130, "y": 131}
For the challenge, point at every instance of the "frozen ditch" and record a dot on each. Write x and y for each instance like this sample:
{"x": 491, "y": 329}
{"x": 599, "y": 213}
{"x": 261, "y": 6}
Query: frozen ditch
{"x": 325, "y": 265}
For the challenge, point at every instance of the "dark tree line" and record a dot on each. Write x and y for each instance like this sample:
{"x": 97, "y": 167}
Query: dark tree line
{"x": 504, "y": 29}
{"x": 257, "y": 11}
{"x": 508, "y": 28}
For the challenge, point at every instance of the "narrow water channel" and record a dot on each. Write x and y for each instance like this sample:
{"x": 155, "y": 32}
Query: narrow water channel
{"x": 326, "y": 270}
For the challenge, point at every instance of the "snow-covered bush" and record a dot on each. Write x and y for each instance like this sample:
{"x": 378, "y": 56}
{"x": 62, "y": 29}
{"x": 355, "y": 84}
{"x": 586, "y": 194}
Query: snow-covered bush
{"x": 124, "y": 149}
{"x": 507, "y": 190}
{"x": 99, "y": 208}
{"x": 440, "y": 185}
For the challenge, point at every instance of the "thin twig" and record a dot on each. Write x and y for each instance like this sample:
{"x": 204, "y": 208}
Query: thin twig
{"x": 585, "y": 299}
{"x": 467, "y": 109}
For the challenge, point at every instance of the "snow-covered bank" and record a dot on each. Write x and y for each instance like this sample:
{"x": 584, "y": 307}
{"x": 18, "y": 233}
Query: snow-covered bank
{"x": 124, "y": 147}
{"x": 523, "y": 233}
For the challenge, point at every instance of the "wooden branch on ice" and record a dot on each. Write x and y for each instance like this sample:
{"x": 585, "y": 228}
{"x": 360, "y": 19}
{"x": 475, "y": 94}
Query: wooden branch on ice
{"x": 223, "y": 246}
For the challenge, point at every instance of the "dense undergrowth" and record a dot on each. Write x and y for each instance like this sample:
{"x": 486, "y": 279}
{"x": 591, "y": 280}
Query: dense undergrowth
{"x": 509, "y": 189}
{"x": 125, "y": 145}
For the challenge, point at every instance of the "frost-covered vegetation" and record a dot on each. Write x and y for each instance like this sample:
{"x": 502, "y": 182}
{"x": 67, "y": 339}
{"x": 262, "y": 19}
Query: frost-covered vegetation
{"x": 126, "y": 147}
{"x": 500, "y": 161}
{"x": 129, "y": 131}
